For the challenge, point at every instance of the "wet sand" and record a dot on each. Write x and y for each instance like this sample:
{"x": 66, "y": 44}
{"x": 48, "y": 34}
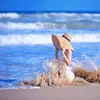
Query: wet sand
{"x": 53, "y": 93}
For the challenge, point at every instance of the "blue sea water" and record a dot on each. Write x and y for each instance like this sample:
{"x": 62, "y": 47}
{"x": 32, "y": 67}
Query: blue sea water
{"x": 26, "y": 45}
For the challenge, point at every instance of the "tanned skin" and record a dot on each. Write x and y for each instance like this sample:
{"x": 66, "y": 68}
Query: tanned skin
{"x": 66, "y": 54}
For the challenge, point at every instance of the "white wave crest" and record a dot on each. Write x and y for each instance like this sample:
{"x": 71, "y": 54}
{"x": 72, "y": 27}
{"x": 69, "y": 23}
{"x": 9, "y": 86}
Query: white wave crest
{"x": 75, "y": 14}
{"x": 43, "y": 39}
{"x": 9, "y": 15}
{"x": 86, "y": 37}
{"x": 29, "y": 39}
{"x": 37, "y": 25}
{"x": 12, "y": 25}
{"x": 62, "y": 17}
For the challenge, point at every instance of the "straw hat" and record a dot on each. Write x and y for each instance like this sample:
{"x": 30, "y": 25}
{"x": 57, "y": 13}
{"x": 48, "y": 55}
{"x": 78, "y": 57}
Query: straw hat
{"x": 63, "y": 41}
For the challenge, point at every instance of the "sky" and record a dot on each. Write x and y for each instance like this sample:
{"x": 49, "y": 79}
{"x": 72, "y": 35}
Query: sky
{"x": 50, "y": 5}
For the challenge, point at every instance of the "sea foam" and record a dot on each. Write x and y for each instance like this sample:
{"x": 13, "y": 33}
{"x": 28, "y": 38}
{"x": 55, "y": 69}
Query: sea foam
{"x": 19, "y": 25}
{"x": 34, "y": 39}
{"x": 9, "y": 15}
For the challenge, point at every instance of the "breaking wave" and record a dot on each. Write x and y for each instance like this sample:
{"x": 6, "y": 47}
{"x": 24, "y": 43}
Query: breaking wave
{"x": 9, "y": 15}
{"x": 33, "y": 39}
{"x": 86, "y": 38}
{"x": 11, "y": 25}
{"x": 48, "y": 25}
{"x": 24, "y": 39}
{"x": 51, "y": 15}
{"x": 50, "y": 20}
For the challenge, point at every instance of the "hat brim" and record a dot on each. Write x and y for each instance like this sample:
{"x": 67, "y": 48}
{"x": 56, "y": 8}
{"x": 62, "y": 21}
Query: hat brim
{"x": 60, "y": 42}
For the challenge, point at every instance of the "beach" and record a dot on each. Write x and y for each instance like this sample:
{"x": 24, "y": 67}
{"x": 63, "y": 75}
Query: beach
{"x": 53, "y": 93}
{"x": 31, "y": 68}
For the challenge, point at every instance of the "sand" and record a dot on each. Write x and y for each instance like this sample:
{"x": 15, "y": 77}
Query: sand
{"x": 53, "y": 93}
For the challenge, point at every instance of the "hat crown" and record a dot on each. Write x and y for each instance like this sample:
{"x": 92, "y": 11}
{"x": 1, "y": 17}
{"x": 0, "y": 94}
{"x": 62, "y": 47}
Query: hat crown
{"x": 68, "y": 36}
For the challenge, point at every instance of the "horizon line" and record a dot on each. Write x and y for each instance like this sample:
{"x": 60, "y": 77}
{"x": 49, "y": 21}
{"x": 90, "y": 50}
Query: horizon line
{"x": 54, "y": 11}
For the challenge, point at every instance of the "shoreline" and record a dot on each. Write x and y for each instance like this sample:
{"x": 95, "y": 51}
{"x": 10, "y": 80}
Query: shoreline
{"x": 53, "y": 93}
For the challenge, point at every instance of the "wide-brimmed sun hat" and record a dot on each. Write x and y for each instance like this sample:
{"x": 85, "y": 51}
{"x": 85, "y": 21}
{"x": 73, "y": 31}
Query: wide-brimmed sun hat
{"x": 63, "y": 41}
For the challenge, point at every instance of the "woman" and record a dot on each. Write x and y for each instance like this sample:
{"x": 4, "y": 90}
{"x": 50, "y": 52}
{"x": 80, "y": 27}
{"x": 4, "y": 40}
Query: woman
{"x": 63, "y": 43}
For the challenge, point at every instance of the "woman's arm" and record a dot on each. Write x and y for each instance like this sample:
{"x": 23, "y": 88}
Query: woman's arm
{"x": 67, "y": 55}
{"x": 56, "y": 53}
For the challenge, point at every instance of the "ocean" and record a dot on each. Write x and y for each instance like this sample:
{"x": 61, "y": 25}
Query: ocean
{"x": 26, "y": 45}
